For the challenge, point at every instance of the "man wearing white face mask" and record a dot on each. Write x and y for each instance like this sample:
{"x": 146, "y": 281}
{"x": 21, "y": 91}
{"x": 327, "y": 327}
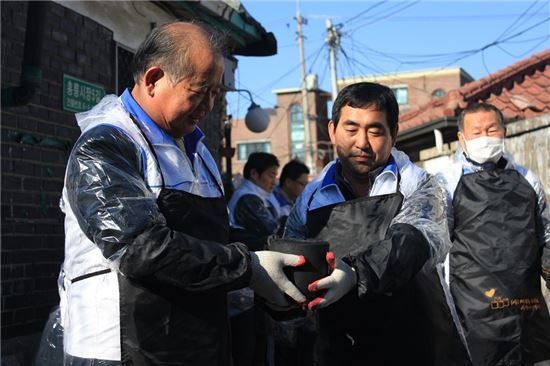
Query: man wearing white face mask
{"x": 499, "y": 223}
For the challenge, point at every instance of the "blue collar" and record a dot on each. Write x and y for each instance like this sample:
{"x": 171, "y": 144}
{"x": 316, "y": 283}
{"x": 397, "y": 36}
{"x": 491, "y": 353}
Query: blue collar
{"x": 157, "y": 134}
{"x": 281, "y": 199}
{"x": 391, "y": 166}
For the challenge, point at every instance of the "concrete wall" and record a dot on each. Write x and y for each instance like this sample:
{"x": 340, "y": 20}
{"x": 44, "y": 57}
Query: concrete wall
{"x": 529, "y": 142}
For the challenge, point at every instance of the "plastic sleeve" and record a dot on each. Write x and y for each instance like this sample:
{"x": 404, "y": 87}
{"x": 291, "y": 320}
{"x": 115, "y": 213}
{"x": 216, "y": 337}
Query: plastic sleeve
{"x": 425, "y": 210}
{"x": 543, "y": 223}
{"x": 390, "y": 263}
{"x": 117, "y": 211}
{"x": 161, "y": 255}
{"x": 448, "y": 201}
{"x": 106, "y": 190}
{"x": 295, "y": 226}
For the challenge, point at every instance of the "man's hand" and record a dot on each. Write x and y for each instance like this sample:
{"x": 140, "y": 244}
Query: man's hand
{"x": 338, "y": 283}
{"x": 270, "y": 282}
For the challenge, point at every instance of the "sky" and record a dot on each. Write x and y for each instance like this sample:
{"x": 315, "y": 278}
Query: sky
{"x": 389, "y": 36}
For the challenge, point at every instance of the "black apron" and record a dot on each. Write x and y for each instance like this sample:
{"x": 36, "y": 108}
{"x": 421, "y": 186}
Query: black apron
{"x": 163, "y": 325}
{"x": 412, "y": 326}
{"x": 495, "y": 269}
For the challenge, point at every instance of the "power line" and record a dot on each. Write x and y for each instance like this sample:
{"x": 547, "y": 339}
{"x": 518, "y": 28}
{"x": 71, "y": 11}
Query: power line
{"x": 526, "y": 52}
{"x": 523, "y": 31}
{"x": 529, "y": 40}
{"x": 417, "y": 59}
{"x": 350, "y": 20}
{"x": 270, "y": 84}
{"x": 494, "y": 43}
{"x": 448, "y": 58}
{"x": 380, "y": 71}
{"x": 242, "y": 86}
{"x": 449, "y": 18}
{"x": 315, "y": 60}
{"x": 517, "y": 20}
{"x": 386, "y": 16}
{"x": 325, "y": 69}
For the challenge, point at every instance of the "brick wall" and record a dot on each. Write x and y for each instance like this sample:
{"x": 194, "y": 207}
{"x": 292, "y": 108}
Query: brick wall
{"x": 32, "y": 169}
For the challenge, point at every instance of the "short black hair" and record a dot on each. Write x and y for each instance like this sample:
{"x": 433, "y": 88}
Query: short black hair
{"x": 364, "y": 95}
{"x": 479, "y": 107}
{"x": 260, "y": 162}
{"x": 293, "y": 170}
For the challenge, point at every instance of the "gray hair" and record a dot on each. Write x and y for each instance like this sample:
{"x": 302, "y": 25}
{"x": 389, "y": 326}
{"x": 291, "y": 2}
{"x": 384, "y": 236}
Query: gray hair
{"x": 478, "y": 107}
{"x": 171, "y": 51}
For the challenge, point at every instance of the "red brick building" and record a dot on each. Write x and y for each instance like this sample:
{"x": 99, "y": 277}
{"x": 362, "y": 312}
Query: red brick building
{"x": 416, "y": 88}
{"x": 284, "y": 136}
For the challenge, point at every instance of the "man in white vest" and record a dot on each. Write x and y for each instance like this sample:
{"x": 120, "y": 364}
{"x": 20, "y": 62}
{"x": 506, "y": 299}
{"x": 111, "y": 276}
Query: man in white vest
{"x": 500, "y": 226}
{"x": 147, "y": 260}
{"x": 385, "y": 302}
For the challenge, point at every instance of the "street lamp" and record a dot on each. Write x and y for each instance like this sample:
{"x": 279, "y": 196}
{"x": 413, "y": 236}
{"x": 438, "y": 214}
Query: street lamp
{"x": 257, "y": 118}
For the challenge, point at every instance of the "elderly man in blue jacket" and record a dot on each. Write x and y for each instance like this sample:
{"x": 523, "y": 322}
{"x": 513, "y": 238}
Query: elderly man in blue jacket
{"x": 147, "y": 260}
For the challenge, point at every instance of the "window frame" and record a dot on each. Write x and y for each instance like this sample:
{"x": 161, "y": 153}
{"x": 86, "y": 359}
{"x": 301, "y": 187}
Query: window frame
{"x": 266, "y": 142}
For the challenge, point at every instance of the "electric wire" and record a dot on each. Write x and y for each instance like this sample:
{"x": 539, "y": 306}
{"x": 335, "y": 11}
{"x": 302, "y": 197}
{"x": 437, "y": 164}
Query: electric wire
{"x": 386, "y": 16}
{"x": 355, "y": 17}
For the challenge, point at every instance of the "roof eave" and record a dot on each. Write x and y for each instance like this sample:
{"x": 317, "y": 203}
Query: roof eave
{"x": 246, "y": 36}
{"x": 427, "y": 128}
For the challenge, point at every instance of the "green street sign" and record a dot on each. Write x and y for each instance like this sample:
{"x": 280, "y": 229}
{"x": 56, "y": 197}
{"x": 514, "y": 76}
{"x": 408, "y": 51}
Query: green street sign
{"x": 80, "y": 95}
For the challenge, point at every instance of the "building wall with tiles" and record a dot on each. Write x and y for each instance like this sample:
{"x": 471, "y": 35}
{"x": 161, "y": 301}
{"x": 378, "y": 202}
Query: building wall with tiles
{"x": 36, "y": 141}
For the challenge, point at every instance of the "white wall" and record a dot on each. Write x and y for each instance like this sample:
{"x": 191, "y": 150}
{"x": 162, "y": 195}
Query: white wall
{"x": 130, "y": 21}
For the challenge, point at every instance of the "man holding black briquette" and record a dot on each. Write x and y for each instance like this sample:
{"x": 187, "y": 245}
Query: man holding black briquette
{"x": 384, "y": 302}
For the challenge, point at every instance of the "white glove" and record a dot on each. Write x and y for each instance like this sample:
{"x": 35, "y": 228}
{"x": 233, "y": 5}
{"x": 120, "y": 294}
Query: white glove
{"x": 341, "y": 281}
{"x": 270, "y": 282}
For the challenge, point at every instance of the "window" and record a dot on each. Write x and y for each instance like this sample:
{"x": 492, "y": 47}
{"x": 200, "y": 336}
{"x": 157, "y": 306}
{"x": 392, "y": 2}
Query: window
{"x": 124, "y": 77}
{"x": 246, "y": 148}
{"x": 438, "y": 93}
{"x": 297, "y": 133}
{"x": 401, "y": 94}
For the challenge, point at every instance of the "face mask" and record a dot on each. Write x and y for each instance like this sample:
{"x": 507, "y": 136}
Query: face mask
{"x": 485, "y": 149}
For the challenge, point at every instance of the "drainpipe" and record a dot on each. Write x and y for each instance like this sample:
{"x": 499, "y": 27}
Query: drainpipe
{"x": 438, "y": 140}
{"x": 31, "y": 74}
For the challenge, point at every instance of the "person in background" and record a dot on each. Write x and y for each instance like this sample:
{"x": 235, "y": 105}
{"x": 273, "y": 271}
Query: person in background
{"x": 147, "y": 260}
{"x": 253, "y": 215}
{"x": 499, "y": 222}
{"x": 385, "y": 301}
{"x": 253, "y": 218}
{"x": 293, "y": 179}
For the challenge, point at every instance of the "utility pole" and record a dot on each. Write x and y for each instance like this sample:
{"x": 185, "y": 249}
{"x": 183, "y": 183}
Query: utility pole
{"x": 308, "y": 146}
{"x": 333, "y": 42}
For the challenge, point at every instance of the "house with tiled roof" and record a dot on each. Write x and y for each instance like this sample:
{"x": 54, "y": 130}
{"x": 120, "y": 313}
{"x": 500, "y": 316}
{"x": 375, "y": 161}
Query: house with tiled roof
{"x": 521, "y": 91}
